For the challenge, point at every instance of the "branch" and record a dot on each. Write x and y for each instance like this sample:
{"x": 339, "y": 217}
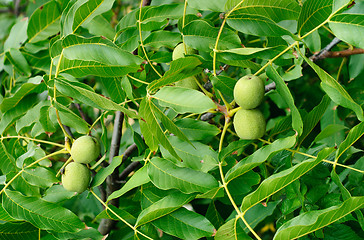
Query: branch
{"x": 343, "y": 53}
{"x": 111, "y": 181}
{"x": 326, "y": 49}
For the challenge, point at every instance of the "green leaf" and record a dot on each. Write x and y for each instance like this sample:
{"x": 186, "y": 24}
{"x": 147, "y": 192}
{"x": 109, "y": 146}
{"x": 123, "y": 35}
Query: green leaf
{"x": 256, "y": 25}
{"x": 42, "y": 214}
{"x": 179, "y": 69}
{"x": 89, "y": 97}
{"x": 197, "y": 130}
{"x": 344, "y": 25}
{"x": 17, "y": 35}
{"x": 89, "y": 233}
{"x": 354, "y": 135}
{"x": 101, "y": 175}
{"x": 259, "y": 156}
{"x": 183, "y": 100}
{"x": 39, "y": 176}
{"x": 185, "y": 224}
{"x": 166, "y": 175}
{"x": 329, "y": 131}
{"x": 311, "y": 221}
{"x": 68, "y": 117}
{"x": 277, "y": 181}
{"x": 44, "y": 22}
{"x": 334, "y": 90}
{"x": 120, "y": 212}
{"x": 313, "y": 117}
{"x": 212, "y": 5}
{"x": 139, "y": 178}
{"x": 17, "y": 59}
{"x": 151, "y": 129}
{"x": 100, "y": 26}
{"x": 114, "y": 88}
{"x": 194, "y": 155}
{"x": 283, "y": 90}
{"x": 33, "y": 85}
{"x": 80, "y": 13}
{"x": 225, "y": 85}
{"x": 232, "y": 230}
{"x": 163, "y": 207}
{"x": 18, "y": 230}
{"x": 162, "y": 38}
{"x": 7, "y": 161}
{"x": 313, "y": 13}
{"x": 168, "y": 123}
{"x": 98, "y": 52}
{"x": 258, "y": 213}
{"x": 162, "y": 12}
{"x": 275, "y": 10}
{"x": 202, "y": 36}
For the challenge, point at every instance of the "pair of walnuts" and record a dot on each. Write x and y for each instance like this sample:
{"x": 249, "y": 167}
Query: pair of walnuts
{"x": 77, "y": 176}
{"x": 249, "y": 122}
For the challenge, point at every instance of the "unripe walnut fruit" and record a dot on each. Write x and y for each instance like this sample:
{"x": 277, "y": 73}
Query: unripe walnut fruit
{"x": 85, "y": 149}
{"x": 249, "y": 124}
{"x": 249, "y": 92}
{"x": 76, "y": 177}
{"x": 179, "y": 51}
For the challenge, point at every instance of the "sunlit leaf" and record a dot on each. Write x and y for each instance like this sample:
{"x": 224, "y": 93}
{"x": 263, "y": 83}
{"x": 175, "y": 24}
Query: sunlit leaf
{"x": 335, "y": 91}
{"x": 212, "y": 5}
{"x": 231, "y": 230}
{"x": 151, "y": 129}
{"x": 184, "y": 100}
{"x": 275, "y": 10}
{"x": 343, "y": 26}
{"x": 283, "y": 90}
{"x": 314, "y": 220}
{"x": 89, "y": 97}
{"x": 279, "y": 180}
{"x": 259, "y": 156}
{"x": 166, "y": 175}
{"x": 44, "y": 22}
{"x": 256, "y": 25}
{"x": 40, "y": 213}
{"x": 101, "y": 175}
{"x": 202, "y": 36}
{"x": 313, "y": 13}
{"x": 139, "y": 178}
{"x": 185, "y": 224}
{"x": 163, "y": 207}
{"x": 354, "y": 134}
{"x": 179, "y": 69}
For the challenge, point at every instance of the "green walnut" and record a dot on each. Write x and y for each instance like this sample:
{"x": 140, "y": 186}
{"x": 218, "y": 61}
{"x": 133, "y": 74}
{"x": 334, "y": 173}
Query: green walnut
{"x": 249, "y": 92}
{"x": 76, "y": 177}
{"x": 179, "y": 51}
{"x": 249, "y": 124}
{"x": 85, "y": 149}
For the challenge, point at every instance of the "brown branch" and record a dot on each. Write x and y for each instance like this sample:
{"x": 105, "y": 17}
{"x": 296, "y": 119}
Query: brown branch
{"x": 343, "y": 53}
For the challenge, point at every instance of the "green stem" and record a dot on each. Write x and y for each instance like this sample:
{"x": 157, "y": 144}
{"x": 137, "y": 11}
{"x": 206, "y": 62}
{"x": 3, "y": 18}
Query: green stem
{"x": 35, "y": 140}
{"x": 120, "y": 218}
{"x": 32, "y": 164}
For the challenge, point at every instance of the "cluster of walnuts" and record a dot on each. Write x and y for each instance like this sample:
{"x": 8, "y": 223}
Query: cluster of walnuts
{"x": 77, "y": 176}
{"x": 249, "y": 122}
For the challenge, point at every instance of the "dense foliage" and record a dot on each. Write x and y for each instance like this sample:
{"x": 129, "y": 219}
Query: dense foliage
{"x": 171, "y": 165}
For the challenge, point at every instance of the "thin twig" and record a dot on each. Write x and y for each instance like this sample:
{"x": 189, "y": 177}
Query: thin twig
{"x": 326, "y": 49}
